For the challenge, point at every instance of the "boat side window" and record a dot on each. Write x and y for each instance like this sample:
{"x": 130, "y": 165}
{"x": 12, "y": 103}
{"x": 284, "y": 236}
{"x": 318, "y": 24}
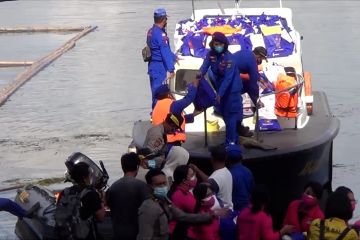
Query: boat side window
{"x": 183, "y": 77}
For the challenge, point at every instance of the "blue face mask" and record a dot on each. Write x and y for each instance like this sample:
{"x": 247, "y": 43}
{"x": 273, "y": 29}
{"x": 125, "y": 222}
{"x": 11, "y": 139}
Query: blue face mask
{"x": 219, "y": 49}
{"x": 161, "y": 192}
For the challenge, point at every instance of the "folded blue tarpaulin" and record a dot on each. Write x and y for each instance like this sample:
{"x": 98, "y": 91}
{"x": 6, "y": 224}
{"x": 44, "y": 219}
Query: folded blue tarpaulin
{"x": 277, "y": 46}
{"x": 195, "y": 44}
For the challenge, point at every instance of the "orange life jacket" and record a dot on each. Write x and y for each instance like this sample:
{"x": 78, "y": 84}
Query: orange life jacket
{"x": 160, "y": 111}
{"x": 225, "y": 29}
{"x": 286, "y": 102}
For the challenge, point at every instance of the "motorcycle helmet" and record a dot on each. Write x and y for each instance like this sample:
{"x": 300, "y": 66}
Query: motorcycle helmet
{"x": 98, "y": 176}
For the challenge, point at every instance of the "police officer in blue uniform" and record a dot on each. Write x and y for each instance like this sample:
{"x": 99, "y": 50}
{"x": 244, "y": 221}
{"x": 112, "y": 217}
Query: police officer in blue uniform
{"x": 227, "y": 83}
{"x": 162, "y": 59}
{"x": 247, "y": 63}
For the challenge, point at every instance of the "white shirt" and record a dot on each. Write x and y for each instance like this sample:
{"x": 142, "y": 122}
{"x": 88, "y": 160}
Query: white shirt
{"x": 223, "y": 178}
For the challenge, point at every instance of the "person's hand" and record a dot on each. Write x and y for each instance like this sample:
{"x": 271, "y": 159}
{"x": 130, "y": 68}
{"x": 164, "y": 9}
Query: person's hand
{"x": 197, "y": 112}
{"x": 178, "y": 58}
{"x": 287, "y": 229}
{"x": 221, "y": 213}
{"x": 217, "y": 99}
{"x": 172, "y": 75}
{"x": 144, "y": 164}
{"x": 194, "y": 167}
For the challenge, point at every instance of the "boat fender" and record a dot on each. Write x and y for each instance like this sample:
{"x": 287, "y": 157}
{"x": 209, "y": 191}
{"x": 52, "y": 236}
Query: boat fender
{"x": 309, "y": 98}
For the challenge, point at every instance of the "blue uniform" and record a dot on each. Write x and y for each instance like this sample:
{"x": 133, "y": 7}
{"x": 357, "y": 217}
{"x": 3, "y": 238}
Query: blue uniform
{"x": 243, "y": 182}
{"x": 228, "y": 86}
{"x": 162, "y": 59}
{"x": 12, "y": 207}
{"x": 246, "y": 63}
{"x": 178, "y": 106}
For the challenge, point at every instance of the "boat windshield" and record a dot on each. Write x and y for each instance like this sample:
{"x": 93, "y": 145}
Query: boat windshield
{"x": 183, "y": 77}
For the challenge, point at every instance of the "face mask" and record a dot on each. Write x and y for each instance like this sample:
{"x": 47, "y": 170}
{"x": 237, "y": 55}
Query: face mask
{"x": 208, "y": 202}
{"x": 353, "y": 205}
{"x": 192, "y": 182}
{"x": 219, "y": 49}
{"x": 161, "y": 192}
{"x": 309, "y": 200}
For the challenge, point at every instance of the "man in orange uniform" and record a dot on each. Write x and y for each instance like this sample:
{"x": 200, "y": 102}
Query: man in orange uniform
{"x": 166, "y": 103}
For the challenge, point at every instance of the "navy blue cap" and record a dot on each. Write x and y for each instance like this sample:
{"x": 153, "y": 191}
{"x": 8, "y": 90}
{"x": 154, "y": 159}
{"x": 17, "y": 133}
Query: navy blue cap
{"x": 162, "y": 90}
{"x": 233, "y": 150}
{"x": 160, "y": 12}
{"x": 220, "y": 37}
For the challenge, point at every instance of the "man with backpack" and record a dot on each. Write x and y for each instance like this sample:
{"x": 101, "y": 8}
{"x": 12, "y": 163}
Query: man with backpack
{"x": 79, "y": 206}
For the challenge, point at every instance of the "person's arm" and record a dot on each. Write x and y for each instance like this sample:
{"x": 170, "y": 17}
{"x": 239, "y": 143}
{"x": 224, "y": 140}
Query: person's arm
{"x": 12, "y": 207}
{"x": 189, "y": 118}
{"x": 213, "y": 185}
{"x": 203, "y": 177}
{"x": 179, "y": 215}
{"x": 93, "y": 203}
{"x": 253, "y": 87}
{"x": 147, "y": 216}
{"x": 205, "y": 65}
{"x": 167, "y": 56}
{"x": 101, "y": 213}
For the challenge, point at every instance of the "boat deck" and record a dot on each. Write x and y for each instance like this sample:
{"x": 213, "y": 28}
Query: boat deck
{"x": 321, "y": 128}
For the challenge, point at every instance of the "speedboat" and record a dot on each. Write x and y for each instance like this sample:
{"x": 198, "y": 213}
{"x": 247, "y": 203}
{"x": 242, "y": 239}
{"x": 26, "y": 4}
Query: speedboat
{"x": 285, "y": 158}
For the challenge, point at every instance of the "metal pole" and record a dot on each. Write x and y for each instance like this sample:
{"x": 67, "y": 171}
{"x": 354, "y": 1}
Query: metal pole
{"x": 280, "y": 3}
{"x": 257, "y": 127}
{"x": 205, "y": 129}
{"x": 193, "y": 8}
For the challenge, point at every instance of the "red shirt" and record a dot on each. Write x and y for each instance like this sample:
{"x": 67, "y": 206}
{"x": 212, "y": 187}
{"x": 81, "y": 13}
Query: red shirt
{"x": 185, "y": 201}
{"x": 207, "y": 231}
{"x": 256, "y": 226}
{"x": 291, "y": 217}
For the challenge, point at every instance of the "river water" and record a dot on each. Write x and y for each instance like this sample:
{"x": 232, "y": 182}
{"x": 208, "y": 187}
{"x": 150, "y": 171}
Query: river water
{"x": 88, "y": 99}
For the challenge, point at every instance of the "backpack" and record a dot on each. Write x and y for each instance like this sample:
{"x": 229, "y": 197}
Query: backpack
{"x": 146, "y": 53}
{"x": 322, "y": 231}
{"x": 67, "y": 215}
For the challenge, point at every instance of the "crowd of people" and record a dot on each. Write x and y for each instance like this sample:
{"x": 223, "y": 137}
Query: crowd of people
{"x": 223, "y": 206}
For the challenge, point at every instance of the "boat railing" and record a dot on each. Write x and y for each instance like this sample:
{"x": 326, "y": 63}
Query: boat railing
{"x": 297, "y": 87}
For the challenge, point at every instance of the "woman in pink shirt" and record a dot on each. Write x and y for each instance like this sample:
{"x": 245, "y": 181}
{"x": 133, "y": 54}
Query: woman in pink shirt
{"x": 182, "y": 197}
{"x": 205, "y": 199}
{"x": 302, "y": 212}
{"x": 254, "y": 223}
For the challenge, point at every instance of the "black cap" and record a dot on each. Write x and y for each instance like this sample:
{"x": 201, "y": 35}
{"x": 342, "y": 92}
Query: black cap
{"x": 261, "y": 51}
{"x": 162, "y": 90}
{"x": 176, "y": 119}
